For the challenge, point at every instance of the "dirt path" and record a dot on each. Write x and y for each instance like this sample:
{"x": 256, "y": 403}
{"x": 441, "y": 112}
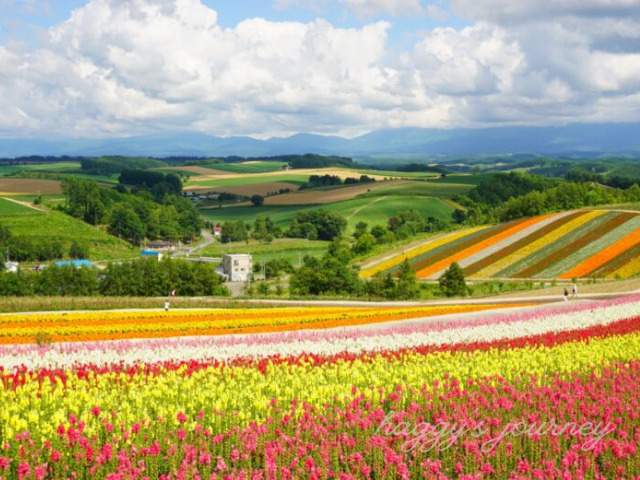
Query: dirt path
{"x": 359, "y": 209}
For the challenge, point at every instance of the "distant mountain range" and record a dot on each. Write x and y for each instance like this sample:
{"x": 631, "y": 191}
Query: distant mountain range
{"x": 578, "y": 140}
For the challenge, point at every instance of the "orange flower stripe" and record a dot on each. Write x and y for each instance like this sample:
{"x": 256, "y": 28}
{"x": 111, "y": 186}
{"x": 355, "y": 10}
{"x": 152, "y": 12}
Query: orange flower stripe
{"x": 78, "y": 329}
{"x": 606, "y": 255}
{"x": 467, "y": 252}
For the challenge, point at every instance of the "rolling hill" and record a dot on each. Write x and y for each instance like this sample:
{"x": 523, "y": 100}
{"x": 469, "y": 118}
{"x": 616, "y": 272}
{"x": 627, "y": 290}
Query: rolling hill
{"x": 565, "y": 245}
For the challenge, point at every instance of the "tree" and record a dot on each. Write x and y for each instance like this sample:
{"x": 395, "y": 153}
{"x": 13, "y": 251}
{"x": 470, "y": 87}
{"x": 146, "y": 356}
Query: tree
{"x": 452, "y": 282}
{"x": 257, "y": 200}
{"x": 79, "y": 250}
{"x": 459, "y": 216}
{"x": 364, "y": 243}
{"x": 124, "y": 223}
{"x": 407, "y": 286}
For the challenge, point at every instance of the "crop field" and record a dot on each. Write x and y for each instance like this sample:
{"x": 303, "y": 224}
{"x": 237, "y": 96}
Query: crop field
{"x": 375, "y": 210}
{"x": 61, "y": 227}
{"x": 247, "y": 190}
{"x": 291, "y": 249}
{"x": 576, "y": 244}
{"x": 317, "y": 196}
{"x": 192, "y": 170}
{"x": 16, "y": 186}
{"x": 233, "y": 180}
{"x": 179, "y": 396}
{"x": 41, "y": 167}
{"x": 10, "y": 209}
{"x": 421, "y": 188}
{"x": 249, "y": 167}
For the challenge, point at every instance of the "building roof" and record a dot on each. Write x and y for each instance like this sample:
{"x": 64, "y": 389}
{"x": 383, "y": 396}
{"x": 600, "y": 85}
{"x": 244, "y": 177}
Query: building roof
{"x": 74, "y": 263}
{"x": 237, "y": 255}
{"x": 150, "y": 253}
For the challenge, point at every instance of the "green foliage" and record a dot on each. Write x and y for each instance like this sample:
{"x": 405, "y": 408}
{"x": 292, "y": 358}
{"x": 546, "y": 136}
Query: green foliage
{"x": 257, "y": 200}
{"x": 327, "y": 275}
{"x": 404, "y": 287}
{"x": 116, "y": 164}
{"x": 364, "y": 244}
{"x": 502, "y": 187}
{"x": 234, "y": 231}
{"x": 160, "y": 183}
{"x": 124, "y": 223}
{"x": 327, "y": 225}
{"x": 452, "y": 282}
{"x": 79, "y": 250}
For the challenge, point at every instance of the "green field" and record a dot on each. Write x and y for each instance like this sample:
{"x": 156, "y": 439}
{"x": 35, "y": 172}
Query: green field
{"x": 373, "y": 210}
{"x": 61, "y": 227}
{"x": 470, "y": 179}
{"x": 232, "y": 182}
{"x": 422, "y": 188}
{"x": 248, "y": 167}
{"x": 10, "y": 209}
{"x": 41, "y": 167}
{"x": 395, "y": 174}
{"x": 291, "y": 248}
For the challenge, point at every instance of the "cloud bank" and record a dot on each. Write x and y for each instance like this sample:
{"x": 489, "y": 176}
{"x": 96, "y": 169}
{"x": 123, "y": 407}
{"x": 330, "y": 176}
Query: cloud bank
{"x": 143, "y": 66}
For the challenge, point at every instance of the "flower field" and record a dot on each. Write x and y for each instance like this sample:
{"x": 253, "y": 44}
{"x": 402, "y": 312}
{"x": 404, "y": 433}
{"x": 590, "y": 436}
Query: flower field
{"x": 564, "y": 245}
{"x": 472, "y": 396}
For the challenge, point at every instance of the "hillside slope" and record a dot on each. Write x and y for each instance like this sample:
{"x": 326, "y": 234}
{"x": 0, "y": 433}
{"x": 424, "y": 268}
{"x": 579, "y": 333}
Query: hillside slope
{"x": 580, "y": 244}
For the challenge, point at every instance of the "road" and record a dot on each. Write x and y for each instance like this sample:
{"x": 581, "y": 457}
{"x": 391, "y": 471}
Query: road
{"x": 207, "y": 240}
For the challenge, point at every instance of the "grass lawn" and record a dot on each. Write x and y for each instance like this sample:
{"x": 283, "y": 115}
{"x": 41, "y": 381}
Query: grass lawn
{"x": 61, "y": 227}
{"x": 373, "y": 210}
{"x": 290, "y": 248}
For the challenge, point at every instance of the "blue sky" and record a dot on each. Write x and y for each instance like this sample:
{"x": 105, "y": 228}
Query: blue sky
{"x": 340, "y": 67}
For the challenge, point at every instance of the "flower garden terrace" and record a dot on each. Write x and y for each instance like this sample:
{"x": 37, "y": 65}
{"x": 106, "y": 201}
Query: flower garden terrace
{"x": 308, "y": 403}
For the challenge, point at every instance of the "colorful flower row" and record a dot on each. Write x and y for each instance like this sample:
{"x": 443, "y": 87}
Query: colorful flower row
{"x": 561, "y": 245}
{"x": 42, "y": 328}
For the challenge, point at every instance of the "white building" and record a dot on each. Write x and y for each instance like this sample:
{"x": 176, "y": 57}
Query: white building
{"x": 237, "y": 267}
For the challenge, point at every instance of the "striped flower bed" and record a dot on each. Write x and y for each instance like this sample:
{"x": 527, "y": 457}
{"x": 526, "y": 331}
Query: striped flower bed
{"x": 562, "y": 245}
{"x": 335, "y": 404}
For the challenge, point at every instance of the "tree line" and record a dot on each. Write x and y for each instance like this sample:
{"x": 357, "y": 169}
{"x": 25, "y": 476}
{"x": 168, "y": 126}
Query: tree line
{"x": 143, "y": 278}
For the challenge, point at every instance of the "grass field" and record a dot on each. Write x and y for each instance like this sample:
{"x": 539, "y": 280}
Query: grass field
{"x": 61, "y": 227}
{"x": 469, "y": 179}
{"x": 249, "y": 167}
{"x": 10, "y": 209}
{"x": 41, "y": 167}
{"x": 290, "y": 248}
{"x": 421, "y": 188}
{"x": 248, "y": 190}
{"x": 248, "y": 180}
{"x": 374, "y": 210}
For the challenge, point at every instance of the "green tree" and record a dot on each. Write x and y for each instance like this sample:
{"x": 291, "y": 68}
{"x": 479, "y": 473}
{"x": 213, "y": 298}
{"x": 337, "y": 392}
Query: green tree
{"x": 79, "y": 250}
{"x": 364, "y": 244}
{"x": 407, "y": 286}
{"x": 452, "y": 282}
{"x": 124, "y": 223}
{"x": 257, "y": 200}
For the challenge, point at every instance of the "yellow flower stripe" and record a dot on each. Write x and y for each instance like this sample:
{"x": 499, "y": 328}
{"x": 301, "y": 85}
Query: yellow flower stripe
{"x": 247, "y": 391}
{"x": 627, "y": 270}
{"x": 424, "y": 248}
{"x": 539, "y": 244}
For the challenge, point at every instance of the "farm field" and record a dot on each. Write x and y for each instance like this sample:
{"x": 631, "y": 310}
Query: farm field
{"x": 565, "y": 245}
{"x": 44, "y": 167}
{"x": 423, "y": 188}
{"x": 246, "y": 190}
{"x": 371, "y": 210}
{"x": 58, "y": 226}
{"x": 249, "y": 167}
{"x": 289, "y": 248}
{"x": 291, "y": 395}
{"x": 18, "y": 186}
{"x": 323, "y": 195}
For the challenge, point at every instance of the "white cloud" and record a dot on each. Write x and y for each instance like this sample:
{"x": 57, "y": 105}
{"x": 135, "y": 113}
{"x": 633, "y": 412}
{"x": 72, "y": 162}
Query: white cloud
{"x": 140, "y": 66}
{"x": 365, "y": 8}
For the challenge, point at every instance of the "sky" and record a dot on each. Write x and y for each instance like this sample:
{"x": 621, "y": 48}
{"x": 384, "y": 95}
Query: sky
{"x": 263, "y": 68}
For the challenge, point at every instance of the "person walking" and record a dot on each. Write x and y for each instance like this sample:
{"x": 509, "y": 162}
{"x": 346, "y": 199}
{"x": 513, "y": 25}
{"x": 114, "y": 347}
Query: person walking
{"x": 566, "y": 295}
{"x": 574, "y": 292}
{"x": 166, "y": 305}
